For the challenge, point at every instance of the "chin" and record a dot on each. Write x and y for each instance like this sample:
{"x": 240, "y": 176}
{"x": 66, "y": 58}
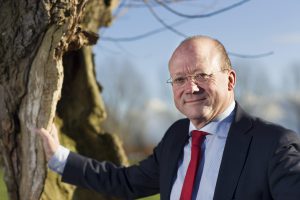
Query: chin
{"x": 197, "y": 114}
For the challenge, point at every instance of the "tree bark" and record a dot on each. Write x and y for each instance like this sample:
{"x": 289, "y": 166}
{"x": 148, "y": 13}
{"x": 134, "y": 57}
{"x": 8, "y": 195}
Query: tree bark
{"x": 34, "y": 38}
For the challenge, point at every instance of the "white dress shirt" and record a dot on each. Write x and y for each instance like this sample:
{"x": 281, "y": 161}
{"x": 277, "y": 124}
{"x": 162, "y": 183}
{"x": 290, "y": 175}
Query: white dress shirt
{"x": 208, "y": 170}
{"x": 58, "y": 160}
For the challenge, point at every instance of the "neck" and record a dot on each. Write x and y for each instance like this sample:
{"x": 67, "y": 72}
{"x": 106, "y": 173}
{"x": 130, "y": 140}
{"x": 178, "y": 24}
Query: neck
{"x": 198, "y": 123}
{"x": 201, "y": 122}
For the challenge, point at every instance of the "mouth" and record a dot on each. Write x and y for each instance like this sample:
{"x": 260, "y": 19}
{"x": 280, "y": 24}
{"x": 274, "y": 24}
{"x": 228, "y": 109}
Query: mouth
{"x": 195, "y": 100}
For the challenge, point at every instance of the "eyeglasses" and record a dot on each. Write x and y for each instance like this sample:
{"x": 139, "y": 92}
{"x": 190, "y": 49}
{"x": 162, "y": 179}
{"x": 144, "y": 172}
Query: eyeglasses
{"x": 196, "y": 78}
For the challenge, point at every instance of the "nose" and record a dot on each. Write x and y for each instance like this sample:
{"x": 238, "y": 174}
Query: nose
{"x": 191, "y": 86}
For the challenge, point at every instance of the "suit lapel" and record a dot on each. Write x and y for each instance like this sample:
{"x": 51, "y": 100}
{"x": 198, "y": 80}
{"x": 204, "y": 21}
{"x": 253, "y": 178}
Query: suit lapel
{"x": 234, "y": 156}
{"x": 180, "y": 137}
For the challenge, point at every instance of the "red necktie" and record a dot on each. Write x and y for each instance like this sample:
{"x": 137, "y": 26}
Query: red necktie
{"x": 187, "y": 188}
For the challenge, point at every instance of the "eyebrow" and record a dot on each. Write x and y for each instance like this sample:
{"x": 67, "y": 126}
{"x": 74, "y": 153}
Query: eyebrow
{"x": 184, "y": 74}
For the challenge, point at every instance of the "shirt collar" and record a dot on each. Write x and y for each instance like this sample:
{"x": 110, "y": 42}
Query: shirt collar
{"x": 220, "y": 125}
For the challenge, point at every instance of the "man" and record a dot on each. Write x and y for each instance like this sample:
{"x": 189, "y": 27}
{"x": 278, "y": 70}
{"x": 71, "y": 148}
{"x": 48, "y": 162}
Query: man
{"x": 236, "y": 157}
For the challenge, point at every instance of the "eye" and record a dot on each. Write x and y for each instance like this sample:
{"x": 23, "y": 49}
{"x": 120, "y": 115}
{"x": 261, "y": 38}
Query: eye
{"x": 179, "y": 80}
{"x": 201, "y": 76}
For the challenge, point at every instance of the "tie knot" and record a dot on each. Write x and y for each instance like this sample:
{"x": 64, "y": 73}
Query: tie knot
{"x": 198, "y": 137}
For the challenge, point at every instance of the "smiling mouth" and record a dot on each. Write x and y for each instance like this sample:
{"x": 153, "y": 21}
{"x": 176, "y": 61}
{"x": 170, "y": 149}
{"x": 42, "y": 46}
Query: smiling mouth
{"x": 194, "y": 100}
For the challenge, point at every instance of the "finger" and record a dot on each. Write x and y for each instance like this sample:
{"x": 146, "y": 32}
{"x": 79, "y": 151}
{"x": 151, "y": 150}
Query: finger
{"x": 54, "y": 132}
{"x": 42, "y": 132}
{"x": 49, "y": 143}
{"x": 34, "y": 129}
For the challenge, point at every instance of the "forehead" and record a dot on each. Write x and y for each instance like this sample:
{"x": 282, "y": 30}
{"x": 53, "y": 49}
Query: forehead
{"x": 194, "y": 56}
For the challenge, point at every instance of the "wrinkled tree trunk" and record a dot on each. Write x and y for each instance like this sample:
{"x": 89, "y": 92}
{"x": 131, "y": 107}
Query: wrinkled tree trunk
{"x": 34, "y": 75}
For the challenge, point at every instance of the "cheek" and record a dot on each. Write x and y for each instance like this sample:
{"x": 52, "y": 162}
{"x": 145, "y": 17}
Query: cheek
{"x": 175, "y": 93}
{"x": 177, "y": 96}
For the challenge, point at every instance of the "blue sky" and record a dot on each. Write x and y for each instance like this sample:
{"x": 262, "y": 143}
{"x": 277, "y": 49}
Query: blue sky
{"x": 257, "y": 26}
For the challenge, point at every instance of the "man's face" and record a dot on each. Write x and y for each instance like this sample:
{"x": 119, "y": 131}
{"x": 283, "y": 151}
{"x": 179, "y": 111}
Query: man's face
{"x": 200, "y": 99}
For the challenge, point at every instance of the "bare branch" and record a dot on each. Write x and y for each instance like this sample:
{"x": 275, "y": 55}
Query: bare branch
{"x": 141, "y": 4}
{"x": 119, "y": 9}
{"x": 162, "y": 22}
{"x": 143, "y": 35}
{"x": 251, "y": 56}
{"x": 200, "y": 15}
{"x": 170, "y": 27}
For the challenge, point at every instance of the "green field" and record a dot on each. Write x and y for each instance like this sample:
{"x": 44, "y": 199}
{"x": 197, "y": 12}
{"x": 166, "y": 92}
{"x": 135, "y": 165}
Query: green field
{"x": 154, "y": 197}
{"x": 3, "y": 192}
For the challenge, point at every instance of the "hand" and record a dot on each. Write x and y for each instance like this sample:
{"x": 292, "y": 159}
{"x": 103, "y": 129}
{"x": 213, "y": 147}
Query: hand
{"x": 50, "y": 140}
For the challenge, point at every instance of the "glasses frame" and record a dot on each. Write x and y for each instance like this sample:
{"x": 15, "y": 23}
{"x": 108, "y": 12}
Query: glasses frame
{"x": 202, "y": 78}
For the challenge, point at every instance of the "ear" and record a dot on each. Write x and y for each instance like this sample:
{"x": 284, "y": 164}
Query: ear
{"x": 231, "y": 80}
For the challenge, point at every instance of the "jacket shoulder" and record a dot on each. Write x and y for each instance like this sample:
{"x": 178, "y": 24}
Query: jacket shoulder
{"x": 267, "y": 126}
{"x": 178, "y": 127}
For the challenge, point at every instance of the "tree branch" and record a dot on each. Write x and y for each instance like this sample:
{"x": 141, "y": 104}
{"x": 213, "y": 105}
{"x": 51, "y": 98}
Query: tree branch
{"x": 162, "y": 22}
{"x": 200, "y": 15}
{"x": 251, "y": 56}
{"x": 170, "y": 27}
{"x": 143, "y": 35}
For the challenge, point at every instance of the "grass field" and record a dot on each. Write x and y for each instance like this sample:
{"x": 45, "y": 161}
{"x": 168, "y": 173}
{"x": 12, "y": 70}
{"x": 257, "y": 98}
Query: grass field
{"x": 154, "y": 197}
{"x": 3, "y": 192}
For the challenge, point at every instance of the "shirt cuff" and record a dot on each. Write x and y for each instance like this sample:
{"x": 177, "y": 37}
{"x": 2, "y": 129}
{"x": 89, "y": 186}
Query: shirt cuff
{"x": 59, "y": 159}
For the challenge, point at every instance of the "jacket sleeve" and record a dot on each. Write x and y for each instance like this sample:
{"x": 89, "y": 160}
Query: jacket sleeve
{"x": 126, "y": 182}
{"x": 132, "y": 182}
{"x": 284, "y": 168}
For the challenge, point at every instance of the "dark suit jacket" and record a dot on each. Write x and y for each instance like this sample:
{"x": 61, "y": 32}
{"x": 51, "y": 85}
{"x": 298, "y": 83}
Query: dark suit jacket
{"x": 261, "y": 161}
